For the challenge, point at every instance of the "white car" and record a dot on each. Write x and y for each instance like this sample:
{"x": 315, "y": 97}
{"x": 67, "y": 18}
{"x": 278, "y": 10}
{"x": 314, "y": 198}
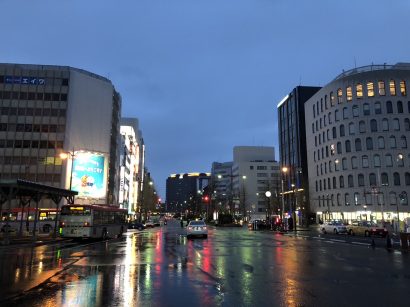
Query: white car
{"x": 196, "y": 228}
{"x": 335, "y": 227}
{"x": 149, "y": 223}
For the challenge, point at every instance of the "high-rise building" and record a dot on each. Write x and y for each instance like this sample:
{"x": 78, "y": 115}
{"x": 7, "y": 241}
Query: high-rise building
{"x": 254, "y": 173}
{"x": 132, "y": 166}
{"x": 49, "y": 110}
{"x": 184, "y": 192}
{"x": 357, "y": 132}
{"x": 221, "y": 184}
{"x": 292, "y": 151}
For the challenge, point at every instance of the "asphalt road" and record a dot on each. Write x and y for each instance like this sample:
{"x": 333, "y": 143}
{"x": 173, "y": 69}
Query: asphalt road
{"x": 233, "y": 267}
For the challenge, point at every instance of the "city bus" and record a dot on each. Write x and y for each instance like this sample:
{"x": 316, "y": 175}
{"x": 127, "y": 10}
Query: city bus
{"x": 23, "y": 219}
{"x": 92, "y": 221}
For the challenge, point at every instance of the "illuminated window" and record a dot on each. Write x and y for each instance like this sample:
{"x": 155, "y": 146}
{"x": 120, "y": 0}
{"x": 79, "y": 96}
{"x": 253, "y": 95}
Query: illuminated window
{"x": 403, "y": 91}
{"x": 392, "y": 87}
{"x": 370, "y": 89}
{"x": 332, "y": 99}
{"x": 339, "y": 95}
{"x": 382, "y": 90}
{"x": 359, "y": 91}
{"x": 349, "y": 93}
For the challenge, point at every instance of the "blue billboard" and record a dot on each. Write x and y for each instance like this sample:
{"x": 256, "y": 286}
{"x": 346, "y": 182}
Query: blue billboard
{"x": 88, "y": 175}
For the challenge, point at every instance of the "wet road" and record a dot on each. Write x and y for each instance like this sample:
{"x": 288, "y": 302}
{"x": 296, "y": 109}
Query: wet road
{"x": 233, "y": 267}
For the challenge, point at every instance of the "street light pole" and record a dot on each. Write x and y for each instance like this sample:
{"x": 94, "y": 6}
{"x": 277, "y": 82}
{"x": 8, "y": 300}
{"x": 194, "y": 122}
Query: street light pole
{"x": 284, "y": 171}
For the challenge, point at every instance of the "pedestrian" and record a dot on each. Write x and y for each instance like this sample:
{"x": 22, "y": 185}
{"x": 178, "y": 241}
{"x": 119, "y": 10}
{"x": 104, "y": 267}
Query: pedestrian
{"x": 182, "y": 223}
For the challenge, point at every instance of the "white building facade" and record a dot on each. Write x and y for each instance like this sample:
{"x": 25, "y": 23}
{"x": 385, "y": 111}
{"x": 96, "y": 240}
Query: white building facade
{"x": 357, "y": 131}
{"x": 254, "y": 173}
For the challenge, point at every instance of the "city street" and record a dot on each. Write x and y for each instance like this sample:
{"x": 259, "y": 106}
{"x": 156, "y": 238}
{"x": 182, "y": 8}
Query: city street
{"x": 233, "y": 267}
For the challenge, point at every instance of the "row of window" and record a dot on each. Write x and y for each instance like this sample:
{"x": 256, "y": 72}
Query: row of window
{"x": 369, "y": 198}
{"x": 29, "y": 160}
{"x": 365, "y": 163}
{"x": 329, "y": 184}
{"x": 31, "y": 144}
{"x": 345, "y": 113}
{"x": 9, "y": 111}
{"x": 347, "y": 95}
{"x": 45, "y": 128}
{"x": 23, "y": 80}
{"x": 40, "y": 178}
{"x": 263, "y": 167}
{"x": 32, "y": 96}
{"x": 331, "y": 150}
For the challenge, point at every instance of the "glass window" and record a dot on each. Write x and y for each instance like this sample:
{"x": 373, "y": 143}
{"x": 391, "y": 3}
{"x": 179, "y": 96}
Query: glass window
{"x": 351, "y": 128}
{"x": 356, "y": 198}
{"x": 370, "y": 89}
{"x": 369, "y": 143}
{"x": 382, "y": 89}
{"x": 342, "y": 130}
{"x": 372, "y": 179}
{"x": 359, "y": 90}
{"x": 403, "y": 141}
{"x": 350, "y": 181}
{"x": 329, "y": 116}
{"x": 339, "y": 96}
{"x": 348, "y": 147}
{"x": 355, "y": 111}
{"x": 349, "y": 93}
{"x": 366, "y": 109}
{"x": 341, "y": 182}
{"x": 336, "y": 165}
{"x": 376, "y": 160}
{"x": 334, "y": 132}
{"x": 385, "y": 124}
{"x": 399, "y": 160}
{"x": 358, "y": 144}
{"x": 389, "y": 107}
{"x": 345, "y": 115}
{"x": 360, "y": 180}
{"x": 407, "y": 124}
{"x": 392, "y": 87}
{"x": 380, "y": 142}
{"x": 339, "y": 147}
{"x": 396, "y": 124}
{"x": 373, "y": 125}
{"x": 393, "y": 141}
{"x": 337, "y": 115}
{"x": 389, "y": 160}
{"x": 334, "y": 182}
{"x": 354, "y": 162}
{"x": 314, "y": 110}
{"x": 396, "y": 178}
{"x": 344, "y": 164}
{"x": 399, "y": 107}
{"x": 332, "y": 99}
{"x": 377, "y": 107}
{"x": 403, "y": 90}
{"x": 362, "y": 127}
{"x": 339, "y": 202}
{"x": 365, "y": 162}
{"x": 407, "y": 178}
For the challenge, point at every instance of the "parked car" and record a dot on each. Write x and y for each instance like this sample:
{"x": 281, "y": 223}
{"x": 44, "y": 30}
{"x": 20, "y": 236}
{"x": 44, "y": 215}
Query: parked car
{"x": 335, "y": 227}
{"x": 257, "y": 224}
{"x": 136, "y": 225}
{"x": 366, "y": 228}
{"x": 149, "y": 223}
{"x": 196, "y": 228}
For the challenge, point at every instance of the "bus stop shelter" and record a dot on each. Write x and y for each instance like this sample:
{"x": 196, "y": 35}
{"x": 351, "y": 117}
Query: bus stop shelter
{"x": 26, "y": 191}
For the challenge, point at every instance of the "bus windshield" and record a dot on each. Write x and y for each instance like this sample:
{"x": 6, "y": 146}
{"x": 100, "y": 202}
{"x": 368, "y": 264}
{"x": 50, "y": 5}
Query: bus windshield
{"x": 75, "y": 210}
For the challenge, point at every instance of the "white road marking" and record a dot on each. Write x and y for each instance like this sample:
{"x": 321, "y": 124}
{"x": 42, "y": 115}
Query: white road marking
{"x": 361, "y": 243}
{"x": 336, "y": 240}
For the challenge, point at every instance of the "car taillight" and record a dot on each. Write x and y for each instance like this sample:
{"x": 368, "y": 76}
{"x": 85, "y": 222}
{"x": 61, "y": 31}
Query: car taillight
{"x": 204, "y": 228}
{"x": 86, "y": 224}
{"x": 62, "y": 224}
{"x": 190, "y": 227}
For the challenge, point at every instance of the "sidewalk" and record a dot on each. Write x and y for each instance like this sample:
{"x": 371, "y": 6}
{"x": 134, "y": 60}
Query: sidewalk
{"x": 41, "y": 239}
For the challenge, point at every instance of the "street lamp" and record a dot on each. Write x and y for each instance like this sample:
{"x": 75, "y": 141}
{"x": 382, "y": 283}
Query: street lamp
{"x": 64, "y": 156}
{"x": 268, "y": 194}
{"x": 284, "y": 171}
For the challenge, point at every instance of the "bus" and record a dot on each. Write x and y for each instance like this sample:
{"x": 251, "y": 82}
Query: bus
{"x": 22, "y": 219}
{"x": 92, "y": 221}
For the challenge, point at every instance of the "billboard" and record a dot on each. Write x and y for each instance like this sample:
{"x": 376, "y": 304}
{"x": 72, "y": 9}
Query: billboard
{"x": 88, "y": 175}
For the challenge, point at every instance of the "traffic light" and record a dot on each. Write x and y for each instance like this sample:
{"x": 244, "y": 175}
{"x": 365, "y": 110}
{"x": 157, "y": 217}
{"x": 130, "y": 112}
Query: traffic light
{"x": 205, "y": 198}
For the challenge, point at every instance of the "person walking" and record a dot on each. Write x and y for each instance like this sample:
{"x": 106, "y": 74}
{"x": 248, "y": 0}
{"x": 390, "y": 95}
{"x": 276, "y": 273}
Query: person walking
{"x": 182, "y": 223}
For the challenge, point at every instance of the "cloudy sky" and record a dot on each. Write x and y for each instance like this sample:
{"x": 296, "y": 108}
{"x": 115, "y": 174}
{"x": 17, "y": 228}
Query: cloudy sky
{"x": 203, "y": 76}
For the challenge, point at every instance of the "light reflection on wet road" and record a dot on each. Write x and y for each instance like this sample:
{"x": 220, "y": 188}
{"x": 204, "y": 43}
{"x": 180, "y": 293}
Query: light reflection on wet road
{"x": 233, "y": 267}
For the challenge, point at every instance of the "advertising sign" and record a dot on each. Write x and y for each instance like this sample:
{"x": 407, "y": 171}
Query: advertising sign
{"x": 88, "y": 175}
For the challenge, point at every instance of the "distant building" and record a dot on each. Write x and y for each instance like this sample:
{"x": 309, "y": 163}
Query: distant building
{"x": 132, "y": 166}
{"x": 184, "y": 191}
{"x": 48, "y": 110}
{"x": 254, "y": 173}
{"x": 221, "y": 183}
{"x": 292, "y": 151}
{"x": 357, "y": 133}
